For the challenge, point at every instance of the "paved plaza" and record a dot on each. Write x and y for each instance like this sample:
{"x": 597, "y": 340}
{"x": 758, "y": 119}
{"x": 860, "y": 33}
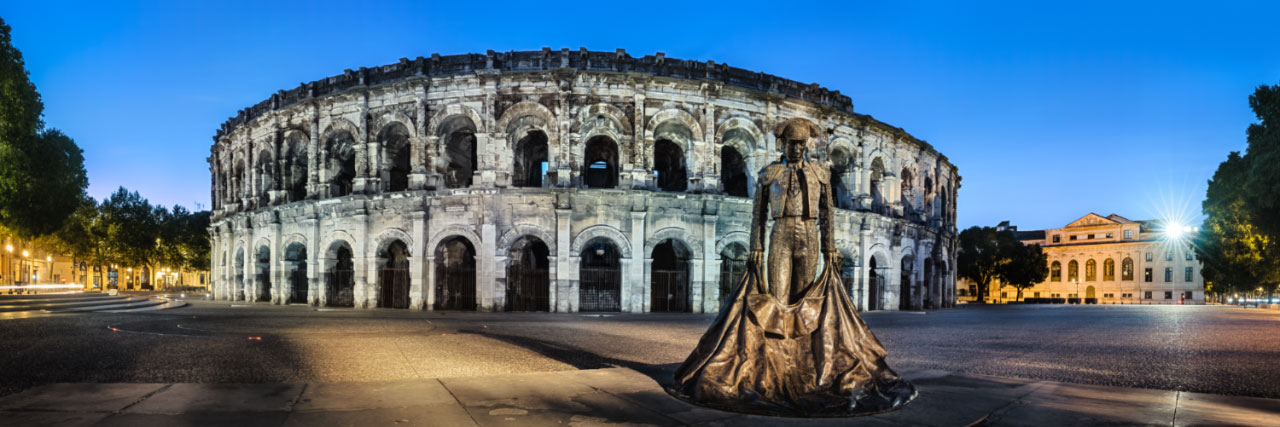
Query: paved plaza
{"x": 1207, "y": 353}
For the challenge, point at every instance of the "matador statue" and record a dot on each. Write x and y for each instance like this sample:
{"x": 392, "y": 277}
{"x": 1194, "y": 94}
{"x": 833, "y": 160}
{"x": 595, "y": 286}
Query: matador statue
{"x": 789, "y": 342}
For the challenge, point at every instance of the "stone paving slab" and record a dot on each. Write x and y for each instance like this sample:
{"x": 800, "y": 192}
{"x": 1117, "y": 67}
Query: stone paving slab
{"x": 616, "y": 396}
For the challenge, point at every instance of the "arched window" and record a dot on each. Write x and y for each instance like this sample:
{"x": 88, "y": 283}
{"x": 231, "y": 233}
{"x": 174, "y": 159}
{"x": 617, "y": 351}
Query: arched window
{"x": 600, "y": 163}
{"x": 1109, "y": 270}
{"x": 733, "y": 171}
{"x": 1126, "y": 269}
{"x": 266, "y": 178}
{"x": 340, "y": 166}
{"x": 394, "y": 140}
{"x": 907, "y": 183}
{"x": 1055, "y": 271}
{"x": 877, "y": 178}
{"x": 668, "y": 165}
{"x": 459, "y": 136}
{"x": 294, "y": 174}
{"x": 840, "y": 163}
{"x": 1090, "y": 270}
{"x": 1073, "y": 271}
{"x": 530, "y": 162}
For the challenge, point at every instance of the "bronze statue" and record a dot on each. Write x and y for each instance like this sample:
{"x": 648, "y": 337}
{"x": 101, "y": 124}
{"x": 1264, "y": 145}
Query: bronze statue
{"x": 785, "y": 343}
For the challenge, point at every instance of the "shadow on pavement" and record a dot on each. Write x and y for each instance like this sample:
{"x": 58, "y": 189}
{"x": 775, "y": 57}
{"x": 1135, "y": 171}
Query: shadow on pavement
{"x": 583, "y": 359}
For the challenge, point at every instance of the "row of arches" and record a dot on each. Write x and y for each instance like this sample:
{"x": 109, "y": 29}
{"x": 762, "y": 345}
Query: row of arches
{"x": 1091, "y": 270}
{"x": 528, "y": 284}
{"x": 342, "y": 167}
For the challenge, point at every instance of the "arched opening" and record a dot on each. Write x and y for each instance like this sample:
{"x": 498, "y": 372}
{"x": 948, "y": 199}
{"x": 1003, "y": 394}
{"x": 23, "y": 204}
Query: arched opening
{"x": 876, "y": 182}
{"x": 600, "y": 163}
{"x": 530, "y": 162}
{"x": 295, "y": 167}
{"x": 394, "y": 140}
{"x": 840, "y": 164}
{"x": 600, "y": 277}
{"x": 928, "y": 284}
{"x": 668, "y": 166}
{"x": 295, "y": 263}
{"x": 874, "y": 286}
{"x": 907, "y": 184}
{"x": 459, "y": 136}
{"x": 262, "y": 267}
{"x": 393, "y": 276}
{"x": 528, "y": 276}
{"x": 733, "y": 170}
{"x": 1055, "y": 272}
{"x": 1090, "y": 292}
{"x": 1109, "y": 270}
{"x": 669, "y": 278}
{"x": 340, "y": 280}
{"x": 266, "y": 178}
{"x": 733, "y": 265}
{"x": 1126, "y": 269}
{"x": 238, "y": 276}
{"x": 455, "y": 275}
{"x": 340, "y": 166}
{"x": 237, "y": 190}
{"x": 1073, "y": 271}
{"x": 1090, "y": 270}
{"x": 904, "y": 293}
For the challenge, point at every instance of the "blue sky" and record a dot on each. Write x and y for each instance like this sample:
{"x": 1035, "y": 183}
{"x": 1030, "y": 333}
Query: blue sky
{"x": 1049, "y": 111}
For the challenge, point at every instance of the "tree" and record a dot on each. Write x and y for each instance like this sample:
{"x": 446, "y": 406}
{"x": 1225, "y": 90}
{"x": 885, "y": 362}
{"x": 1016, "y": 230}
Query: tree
{"x": 42, "y": 173}
{"x": 132, "y": 229}
{"x": 1027, "y": 265}
{"x": 1235, "y": 253}
{"x": 1262, "y": 183}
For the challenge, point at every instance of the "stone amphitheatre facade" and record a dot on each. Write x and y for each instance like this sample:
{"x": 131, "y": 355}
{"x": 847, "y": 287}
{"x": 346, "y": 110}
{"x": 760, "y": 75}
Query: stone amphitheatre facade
{"x": 555, "y": 181}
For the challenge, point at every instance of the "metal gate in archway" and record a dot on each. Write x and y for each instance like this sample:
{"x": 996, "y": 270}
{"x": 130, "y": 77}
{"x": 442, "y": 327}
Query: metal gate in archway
{"x": 528, "y": 289}
{"x": 456, "y": 288}
{"x": 600, "y": 288}
{"x": 731, "y": 272}
{"x": 298, "y": 281}
{"x": 341, "y": 284}
{"x": 670, "y": 291}
{"x": 394, "y": 292}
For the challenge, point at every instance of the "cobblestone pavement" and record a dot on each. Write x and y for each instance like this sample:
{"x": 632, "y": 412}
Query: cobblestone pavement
{"x": 1204, "y": 349}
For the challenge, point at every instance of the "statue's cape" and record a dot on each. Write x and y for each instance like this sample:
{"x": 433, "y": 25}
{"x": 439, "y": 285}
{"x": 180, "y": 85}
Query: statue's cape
{"x": 813, "y": 358}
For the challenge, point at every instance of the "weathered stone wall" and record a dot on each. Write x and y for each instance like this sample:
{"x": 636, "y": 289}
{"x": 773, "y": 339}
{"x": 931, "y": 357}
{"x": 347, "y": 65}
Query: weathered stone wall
{"x": 369, "y": 158}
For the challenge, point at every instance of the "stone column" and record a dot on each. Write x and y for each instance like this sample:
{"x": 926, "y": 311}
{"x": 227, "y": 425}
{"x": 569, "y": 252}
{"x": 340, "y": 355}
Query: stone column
{"x": 314, "y": 249}
{"x": 562, "y": 293}
{"x": 486, "y": 277}
{"x": 634, "y": 294}
{"x": 361, "y": 249}
{"x": 431, "y": 283}
{"x": 417, "y": 279}
{"x": 315, "y": 157}
{"x": 418, "y": 147}
{"x": 862, "y": 273}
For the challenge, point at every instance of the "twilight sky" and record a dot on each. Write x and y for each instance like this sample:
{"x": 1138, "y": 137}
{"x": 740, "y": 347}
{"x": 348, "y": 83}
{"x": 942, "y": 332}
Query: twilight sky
{"x": 1050, "y": 112}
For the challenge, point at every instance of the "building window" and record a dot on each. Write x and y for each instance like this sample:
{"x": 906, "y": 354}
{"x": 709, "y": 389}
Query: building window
{"x": 1110, "y": 235}
{"x": 1109, "y": 270}
{"x": 1126, "y": 269}
{"x": 1128, "y": 234}
{"x": 1188, "y": 255}
{"x": 1037, "y": 295}
{"x": 1090, "y": 270}
{"x": 1057, "y": 238}
{"x": 1186, "y": 274}
{"x": 1168, "y": 294}
{"x": 1055, "y": 272}
{"x": 1168, "y": 255}
{"x": 1186, "y": 295}
{"x": 1073, "y": 237}
{"x": 1148, "y": 256}
{"x": 1147, "y": 295}
{"x": 1090, "y": 237}
{"x": 1073, "y": 271}
{"x": 1168, "y": 274}
{"x": 1004, "y": 295}
{"x": 1146, "y": 275}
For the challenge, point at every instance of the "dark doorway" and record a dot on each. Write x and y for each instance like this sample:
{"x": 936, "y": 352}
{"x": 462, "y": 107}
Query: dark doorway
{"x": 460, "y": 152}
{"x": 600, "y": 163}
{"x": 263, "y": 273}
{"x": 393, "y": 276}
{"x": 733, "y": 171}
{"x": 455, "y": 275}
{"x": 238, "y": 286}
{"x": 668, "y": 162}
{"x": 904, "y": 295}
{"x": 873, "y": 287}
{"x": 295, "y": 168}
{"x": 341, "y": 164}
{"x": 530, "y": 160}
{"x": 669, "y": 290}
{"x": 528, "y": 276}
{"x": 733, "y": 265}
{"x": 600, "y": 277}
{"x": 340, "y": 283}
{"x": 295, "y": 257}
{"x": 840, "y": 164}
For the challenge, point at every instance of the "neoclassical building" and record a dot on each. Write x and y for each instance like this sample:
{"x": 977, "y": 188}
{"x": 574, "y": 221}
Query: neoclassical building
{"x": 555, "y": 181}
{"x": 1113, "y": 260}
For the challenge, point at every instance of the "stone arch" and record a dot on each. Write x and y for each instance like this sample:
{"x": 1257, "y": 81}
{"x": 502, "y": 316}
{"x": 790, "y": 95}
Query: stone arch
{"x": 290, "y": 239}
{"x": 679, "y": 116}
{"x": 338, "y": 124}
{"x": 448, "y": 112}
{"x": 389, "y": 117}
{"x": 733, "y": 237}
{"x": 451, "y": 231}
{"x": 526, "y": 109}
{"x": 335, "y": 237}
{"x": 678, "y": 234}
{"x": 390, "y": 235}
{"x": 520, "y": 230}
{"x": 614, "y": 235}
{"x": 599, "y": 117}
{"x": 396, "y": 151}
{"x": 745, "y": 125}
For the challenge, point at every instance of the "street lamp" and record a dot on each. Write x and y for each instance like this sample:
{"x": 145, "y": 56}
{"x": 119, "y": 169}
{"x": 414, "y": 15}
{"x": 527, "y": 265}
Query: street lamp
{"x": 9, "y": 248}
